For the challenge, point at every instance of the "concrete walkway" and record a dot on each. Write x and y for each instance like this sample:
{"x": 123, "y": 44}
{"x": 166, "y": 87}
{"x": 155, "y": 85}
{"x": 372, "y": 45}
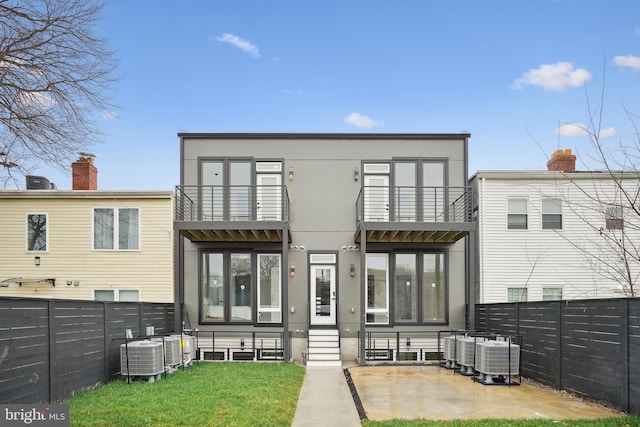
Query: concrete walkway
{"x": 325, "y": 400}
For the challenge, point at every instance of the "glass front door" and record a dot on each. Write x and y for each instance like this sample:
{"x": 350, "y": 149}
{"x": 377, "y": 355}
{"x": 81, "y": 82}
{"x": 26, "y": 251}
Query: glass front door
{"x": 323, "y": 295}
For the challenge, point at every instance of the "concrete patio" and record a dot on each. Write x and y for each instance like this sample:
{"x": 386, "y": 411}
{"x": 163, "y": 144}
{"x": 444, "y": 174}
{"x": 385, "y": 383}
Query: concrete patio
{"x": 430, "y": 392}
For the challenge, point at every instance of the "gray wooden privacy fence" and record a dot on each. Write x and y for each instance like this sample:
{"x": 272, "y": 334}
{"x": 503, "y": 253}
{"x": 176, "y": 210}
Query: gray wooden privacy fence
{"x": 53, "y": 349}
{"x": 587, "y": 347}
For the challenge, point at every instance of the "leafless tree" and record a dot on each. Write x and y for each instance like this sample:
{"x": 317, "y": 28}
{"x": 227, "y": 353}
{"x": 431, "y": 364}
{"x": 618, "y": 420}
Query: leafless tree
{"x": 610, "y": 207}
{"x": 55, "y": 78}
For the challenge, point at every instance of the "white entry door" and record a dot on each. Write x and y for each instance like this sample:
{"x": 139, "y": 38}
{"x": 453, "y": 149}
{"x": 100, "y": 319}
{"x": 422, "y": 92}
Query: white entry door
{"x": 323, "y": 295}
{"x": 269, "y": 197}
{"x": 376, "y": 198}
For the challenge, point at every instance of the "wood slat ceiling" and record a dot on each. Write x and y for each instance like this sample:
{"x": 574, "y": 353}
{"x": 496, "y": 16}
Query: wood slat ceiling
{"x": 233, "y": 235}
{"x": 413, "y": 236}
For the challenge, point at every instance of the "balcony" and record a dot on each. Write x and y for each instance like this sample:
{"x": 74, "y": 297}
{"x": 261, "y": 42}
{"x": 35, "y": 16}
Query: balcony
{"x": 232, "y": 213}
{"x": 414, "y": 214}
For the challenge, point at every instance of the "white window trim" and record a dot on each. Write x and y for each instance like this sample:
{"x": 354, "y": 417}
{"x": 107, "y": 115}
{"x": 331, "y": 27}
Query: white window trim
{"x": 526, "y": 290}
{"x": 384, "y": 310}
{"x": 26, "y": 231}
{"x": 543, "y": 213}
{"x": 116, "y": 293}
{"x": 115, "y": 228}
{"x": 269, "y": 309}
{"x": 507, "y": 214}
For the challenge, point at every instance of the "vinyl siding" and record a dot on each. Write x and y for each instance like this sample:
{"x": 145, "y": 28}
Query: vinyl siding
{"x": 70, "y": 254}
{"x": 537, "y": 258}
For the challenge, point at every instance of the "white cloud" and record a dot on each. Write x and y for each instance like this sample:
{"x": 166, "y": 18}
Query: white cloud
{"x": 572, "y": 129}
{"x": 579, "y": 129}
{"x": 628, "y": 61}
{"x": 361, "y": 121}
{"x": 236, "y": 41}
{"x": 553, "y": 77}
{"x": 37, "y": 100}
{"x": 109, "y": 115}
{"x": 294, "y": 92}
{"x": 608, "y": 133}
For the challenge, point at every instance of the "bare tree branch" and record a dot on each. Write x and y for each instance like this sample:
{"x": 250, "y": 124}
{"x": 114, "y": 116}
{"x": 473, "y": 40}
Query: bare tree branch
{"x": 55, "y": 74}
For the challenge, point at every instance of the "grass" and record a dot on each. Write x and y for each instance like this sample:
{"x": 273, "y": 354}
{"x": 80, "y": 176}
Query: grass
{"x": 603, "y": 422}
{"x": 206, "y": 394}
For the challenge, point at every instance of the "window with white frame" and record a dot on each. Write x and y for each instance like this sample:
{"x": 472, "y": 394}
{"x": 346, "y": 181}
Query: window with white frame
{"x": 122, "y": 295}
{"x": 551, "y": 294}
{"x": 516, "y": 294}
{"x": 551, "y": 214}
{"x": 116, "y": 228}
{"x": 377, "y": 291}
{"x": 517, "y": 214}
{"x": 37, "y": 232}
{"x": 614, "y": 219}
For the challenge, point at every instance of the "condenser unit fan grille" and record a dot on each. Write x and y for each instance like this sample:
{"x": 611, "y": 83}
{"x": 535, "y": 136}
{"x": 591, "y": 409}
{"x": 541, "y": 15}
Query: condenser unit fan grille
{"x": 141, "y": 358}
{"x": 497, "y": 358}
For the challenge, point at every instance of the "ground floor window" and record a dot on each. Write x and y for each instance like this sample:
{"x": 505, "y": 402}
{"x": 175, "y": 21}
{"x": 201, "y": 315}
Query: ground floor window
{"x": 551, "y": 294}
{"x": 413, "y": 284}
{"x": 116, "y": 295}
{"x": 231, "y": 283}
{"x": 516, "y": 294}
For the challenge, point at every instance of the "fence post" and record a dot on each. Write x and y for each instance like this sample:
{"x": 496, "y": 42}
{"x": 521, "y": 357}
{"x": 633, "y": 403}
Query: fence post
{"x": 53, "y": 381}
{"x": 106, "y": 321}
{"x": 559, "y": 318}
{"x": 625, "y": 404}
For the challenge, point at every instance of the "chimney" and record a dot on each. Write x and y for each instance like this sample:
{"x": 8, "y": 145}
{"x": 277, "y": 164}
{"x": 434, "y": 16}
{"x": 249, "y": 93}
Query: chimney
{"x": 562, "y": 161}
{"x": 84, "y": 174}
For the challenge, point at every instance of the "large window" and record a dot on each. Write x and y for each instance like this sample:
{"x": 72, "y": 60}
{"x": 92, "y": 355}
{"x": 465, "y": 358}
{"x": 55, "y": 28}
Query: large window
{"x": 614, "y": 218}
{"x": 37, "y": 232}
{"x": 116, "y": 295}
{"x": 419, "y": 297}
{"x": 517, "y": 214}
{"x": 551, "y": 214}
{"x": 377, "y": 310}
{"x": 116, "y": 229}
{"x": 229, "y": 290}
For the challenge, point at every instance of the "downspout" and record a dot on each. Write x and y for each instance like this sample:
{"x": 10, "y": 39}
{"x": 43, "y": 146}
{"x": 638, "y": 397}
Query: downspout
{"x": 363, "y": 302}
{"x": 285, "y": 294}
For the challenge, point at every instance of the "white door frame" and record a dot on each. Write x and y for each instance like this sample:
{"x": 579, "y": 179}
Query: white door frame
{"x": 376, "y": 197}
{"x": 323, "y": 305}
{"x": 269, "y": 197}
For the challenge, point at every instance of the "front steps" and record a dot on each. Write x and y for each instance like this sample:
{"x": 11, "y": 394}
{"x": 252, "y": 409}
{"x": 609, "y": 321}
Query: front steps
{"x": 324, "y": 348}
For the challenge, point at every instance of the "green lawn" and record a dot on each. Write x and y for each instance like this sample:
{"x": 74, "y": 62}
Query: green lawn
{"x": 206, "y": 394}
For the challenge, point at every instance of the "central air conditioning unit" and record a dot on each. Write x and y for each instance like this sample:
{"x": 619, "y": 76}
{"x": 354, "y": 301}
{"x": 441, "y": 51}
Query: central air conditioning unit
{"x": 497, "y": 359}
{"x": 188, "y": 346}
{"x": 172, "y": 350}
{"x": 465, "y": 353}
{"x": 450, "y": 351}
{"x": 141, "y": 358}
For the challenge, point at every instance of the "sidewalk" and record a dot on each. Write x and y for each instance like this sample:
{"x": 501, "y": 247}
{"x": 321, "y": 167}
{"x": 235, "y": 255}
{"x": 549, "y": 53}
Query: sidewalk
{"x": 325, "y": 400}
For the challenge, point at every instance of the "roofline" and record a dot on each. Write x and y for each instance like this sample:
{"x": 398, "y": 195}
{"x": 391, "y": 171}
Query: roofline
{"x": 575, "y": 175}
{"x": 85, "y": 194}
{"x": 205, "y": 135}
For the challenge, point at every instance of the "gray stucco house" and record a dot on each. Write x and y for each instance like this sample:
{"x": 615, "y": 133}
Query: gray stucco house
{"x": 323, "y": 247}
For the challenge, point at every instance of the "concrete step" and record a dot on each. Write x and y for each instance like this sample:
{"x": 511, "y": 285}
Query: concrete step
{"x": 323, "y": 363}
{"x": 323, "y": 356}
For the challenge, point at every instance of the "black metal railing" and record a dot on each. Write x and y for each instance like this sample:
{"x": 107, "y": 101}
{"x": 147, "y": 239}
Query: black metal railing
{"x": 414, "y": 204}
{"x": 407, "y": 346}
{"x": 240, "y": 345}
{"x": 232, "y": 203}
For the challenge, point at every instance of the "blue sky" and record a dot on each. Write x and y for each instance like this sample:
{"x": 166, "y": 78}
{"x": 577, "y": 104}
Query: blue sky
{"x": 511, "y": 73}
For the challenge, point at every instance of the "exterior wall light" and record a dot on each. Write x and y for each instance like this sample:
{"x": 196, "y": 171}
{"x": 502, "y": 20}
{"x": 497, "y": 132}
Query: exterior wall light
{"x": 292, "y": 270}
{"x": 352, "y": 270}
{"x": 356, "y": 174}
{"x": 290, "y": 174}
{"x": 37, "y": 260}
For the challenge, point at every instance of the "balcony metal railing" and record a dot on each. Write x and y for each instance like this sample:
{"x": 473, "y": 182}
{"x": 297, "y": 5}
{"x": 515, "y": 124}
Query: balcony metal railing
{"x": 415, "y": 204}
{"x": 232, "y": 203}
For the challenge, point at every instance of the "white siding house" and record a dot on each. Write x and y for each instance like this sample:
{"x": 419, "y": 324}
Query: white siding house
{"x": 545, "y": 235}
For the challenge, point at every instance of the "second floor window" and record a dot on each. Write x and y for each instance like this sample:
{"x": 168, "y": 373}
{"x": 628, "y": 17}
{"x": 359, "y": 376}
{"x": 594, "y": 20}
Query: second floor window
{"x": 37, "y": 232}
{"x": 517, "y": 214}
{"x": 116, "y": 229}
{"x": 551, "y": 214}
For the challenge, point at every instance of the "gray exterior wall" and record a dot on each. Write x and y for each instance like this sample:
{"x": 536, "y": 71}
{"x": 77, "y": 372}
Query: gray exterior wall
{"x": 323, "y": 196}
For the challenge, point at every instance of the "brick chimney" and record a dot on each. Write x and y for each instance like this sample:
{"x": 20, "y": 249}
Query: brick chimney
{"x": 562, "y": 161}
{"x": 84, "y": 174}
